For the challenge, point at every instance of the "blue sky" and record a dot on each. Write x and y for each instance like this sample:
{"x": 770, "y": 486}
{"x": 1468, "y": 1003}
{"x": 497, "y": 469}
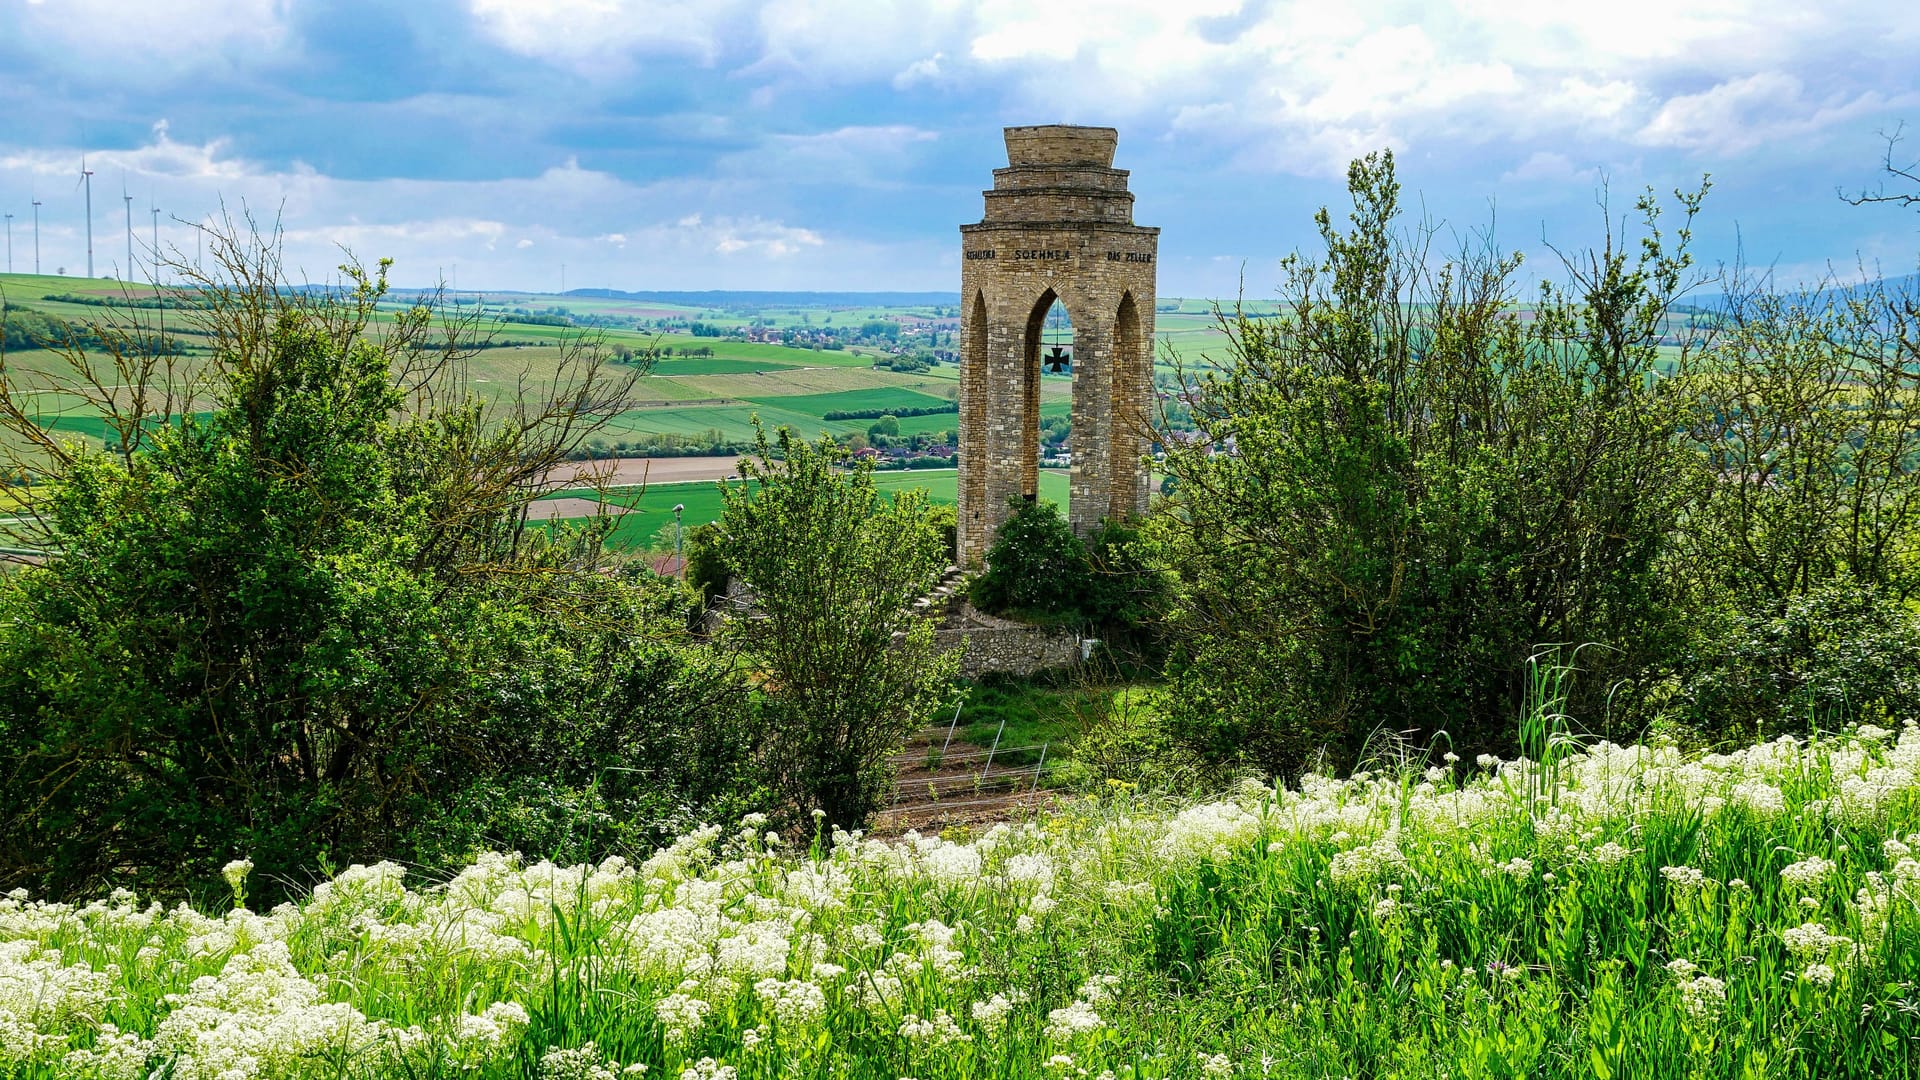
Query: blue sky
{"x": 837, "y": 144}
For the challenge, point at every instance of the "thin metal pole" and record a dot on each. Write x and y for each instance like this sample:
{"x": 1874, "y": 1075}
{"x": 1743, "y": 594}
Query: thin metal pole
{"x": 9, "y": 243}
{"x": 991, "y": 749}
{"x": 957, "y": 706}
{"x": 36, "y": 236}
{"x": 127, "y": 274}
{"x": 1040, "y": 768}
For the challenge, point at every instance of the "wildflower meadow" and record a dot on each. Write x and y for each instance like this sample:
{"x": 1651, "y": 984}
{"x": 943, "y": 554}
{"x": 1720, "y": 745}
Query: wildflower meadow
{"x": 1610, "y": 912}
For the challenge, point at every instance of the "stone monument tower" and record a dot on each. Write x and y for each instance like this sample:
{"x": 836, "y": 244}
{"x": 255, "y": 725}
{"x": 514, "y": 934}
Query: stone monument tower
{"x": 1058, "y": 226}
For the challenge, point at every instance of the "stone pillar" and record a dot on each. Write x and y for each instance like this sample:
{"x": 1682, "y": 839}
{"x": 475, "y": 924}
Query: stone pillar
{"x": 1058, "y": 225}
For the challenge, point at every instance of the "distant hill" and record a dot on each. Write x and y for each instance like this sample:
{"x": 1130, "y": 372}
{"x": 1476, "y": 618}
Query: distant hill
{"x": 1900, "y": 285}
{"x": 731, "y": 298}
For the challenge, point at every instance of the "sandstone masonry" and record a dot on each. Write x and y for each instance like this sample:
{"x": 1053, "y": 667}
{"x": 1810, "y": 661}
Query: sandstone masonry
{"x": 1058, "y": 225}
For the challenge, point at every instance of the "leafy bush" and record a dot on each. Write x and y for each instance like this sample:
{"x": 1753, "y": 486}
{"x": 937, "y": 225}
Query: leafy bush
{"x": 1132, "y": 746}
{"x": 312, "y": 624}
{"x": 1036, "y": 568}
{"x": 1128, "y": 591}
{"x": 1834, "y": 655}
{"x": 946, "y": 521}
{"x": 1422, "y": 490}
{"x": 706, "y": 565}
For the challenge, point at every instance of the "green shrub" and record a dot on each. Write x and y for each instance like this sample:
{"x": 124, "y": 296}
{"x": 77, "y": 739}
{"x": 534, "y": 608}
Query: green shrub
{"x": 1131, "y": 745}
{"x": 946, "y": 520}
{"x": 1423, "y": 490}
{"x": 1836, "y": 655}
{"x": 706, "y": 565}
{"x": 1036, "y": 568}
{"x": 309, "y": 625}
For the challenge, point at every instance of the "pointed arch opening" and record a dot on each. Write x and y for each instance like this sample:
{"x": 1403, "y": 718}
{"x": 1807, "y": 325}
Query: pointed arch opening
{"x": 1049, "y": 331}
{"x": 1128, "y": 439}
{"x": 973, "y": 408}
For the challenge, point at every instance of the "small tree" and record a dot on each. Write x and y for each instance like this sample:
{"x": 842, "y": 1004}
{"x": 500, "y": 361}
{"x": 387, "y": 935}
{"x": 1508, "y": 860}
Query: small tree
{"x": 835, "y": 568}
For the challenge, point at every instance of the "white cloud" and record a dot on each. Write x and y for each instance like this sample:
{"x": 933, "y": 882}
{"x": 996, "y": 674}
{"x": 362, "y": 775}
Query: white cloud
{"x": 510, "y": 232}
{"x": 588, "y": 34}
{"x": 924, "y": 70}
{"x": 1741, "y": 114}
{"x": 1547, "y": 167}
{"x": 152, "y": 40}
{"x": 1291, "y": 85}
{"x": 162, "y": 158}
{"x": 842, "y": 41}
{"x": 755, "y": 236}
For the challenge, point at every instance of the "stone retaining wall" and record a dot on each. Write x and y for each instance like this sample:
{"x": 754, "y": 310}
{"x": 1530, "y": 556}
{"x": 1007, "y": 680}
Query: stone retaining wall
{"x": 1009, "y": 650}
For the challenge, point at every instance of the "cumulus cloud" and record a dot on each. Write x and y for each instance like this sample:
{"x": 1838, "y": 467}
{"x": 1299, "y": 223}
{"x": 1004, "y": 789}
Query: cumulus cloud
{"x": 506, "y": 232}
{"x": 1744, "y": 113}
{"x": 1550, "y": 168}
{"x": 586, "y": 33}
{"x": 168, "y": 39}
{"x": 857, "y": 154}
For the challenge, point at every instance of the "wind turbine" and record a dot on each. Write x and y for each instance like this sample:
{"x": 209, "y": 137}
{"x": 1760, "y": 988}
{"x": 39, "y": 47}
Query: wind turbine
{"x": 9, "y": 243}
{"x": 127, "y": 274}
{"x": 86, "y": 177}
{"x": 36, "y": 235}
{"x": 156, "y": 243}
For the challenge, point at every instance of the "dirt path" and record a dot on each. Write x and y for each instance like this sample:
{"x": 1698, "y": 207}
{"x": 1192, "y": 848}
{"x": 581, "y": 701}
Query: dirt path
{"x": 557, "y": 509}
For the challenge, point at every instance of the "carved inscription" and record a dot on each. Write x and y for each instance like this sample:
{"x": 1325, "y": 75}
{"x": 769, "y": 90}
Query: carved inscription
{"x": 1130, "y": 256}
{"x": 984, "y": 253}
{"x": 1042, "y": 254}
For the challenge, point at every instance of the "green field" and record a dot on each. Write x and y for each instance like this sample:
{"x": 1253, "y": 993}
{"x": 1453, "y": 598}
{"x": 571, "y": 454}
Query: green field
{"x": 879, "y": 397}
{"x": 687, "y": 396}
{"x": 714, "y": 365}
{"x": 647, "y": 521}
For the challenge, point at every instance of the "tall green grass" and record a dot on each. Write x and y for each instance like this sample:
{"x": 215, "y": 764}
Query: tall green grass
{"x": 1630, "y": 912}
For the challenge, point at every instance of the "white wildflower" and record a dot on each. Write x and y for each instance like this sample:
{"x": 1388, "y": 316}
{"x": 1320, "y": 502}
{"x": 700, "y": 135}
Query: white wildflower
{"x": 991, "y": 1014}
{"x": 681, "y": 1016}
{"x": 794, "y": 1002}
{"x": 1684, "y": 878}
{"x": 935, "y": 1032}
{"x": 1610, "y": 854}
{"x": 1703, "y": 998}
{"x": 1808, "y": 873}
{"x": 584, "y": 1062}
{"x": 709, "y": 1069}
{"x": 1360, "y": 867}
{"x": 1075, "y": 1019}
{"x": 236, "y": 874}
